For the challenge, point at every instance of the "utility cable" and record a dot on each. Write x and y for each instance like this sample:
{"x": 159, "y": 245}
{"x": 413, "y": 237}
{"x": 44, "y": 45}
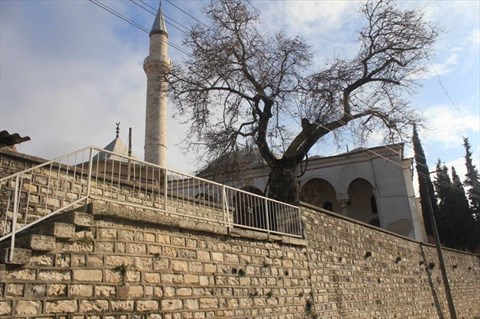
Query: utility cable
{"x": 135, "y": 24}
{"x": 191, "y": 16}
{"x": 184, "y": 30}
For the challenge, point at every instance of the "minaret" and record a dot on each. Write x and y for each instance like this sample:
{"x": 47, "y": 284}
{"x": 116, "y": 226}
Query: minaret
{"x": 156, "y": 65}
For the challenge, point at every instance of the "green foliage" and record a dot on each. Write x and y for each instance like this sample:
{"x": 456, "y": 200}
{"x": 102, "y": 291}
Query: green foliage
{"x": 455, "y": 222}
{"x": 425, "y": 184}
{"x": 472, "y": 181}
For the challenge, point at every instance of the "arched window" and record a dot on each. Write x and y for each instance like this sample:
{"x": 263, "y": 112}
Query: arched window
{"x": 320, "y": 193}
{"x": 362, "y": 202}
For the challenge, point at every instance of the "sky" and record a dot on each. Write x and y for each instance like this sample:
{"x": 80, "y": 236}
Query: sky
{"x": 69, "y": 71}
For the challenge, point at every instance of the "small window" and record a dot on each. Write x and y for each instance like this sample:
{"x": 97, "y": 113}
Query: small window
{"x": 328, "y": 206}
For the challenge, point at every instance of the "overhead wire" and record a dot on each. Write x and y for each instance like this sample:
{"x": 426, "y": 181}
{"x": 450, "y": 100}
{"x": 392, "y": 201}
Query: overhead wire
{"x": 135, "y": 24}
{"x": 191, "y": 16}
{"x": 182, "y": 29}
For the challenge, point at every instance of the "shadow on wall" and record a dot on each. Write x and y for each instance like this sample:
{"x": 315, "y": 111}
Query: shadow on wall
{"x": 429, "y": 268}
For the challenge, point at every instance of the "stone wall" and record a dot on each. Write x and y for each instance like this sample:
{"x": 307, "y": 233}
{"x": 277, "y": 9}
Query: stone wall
{"x": 129, "y": 263}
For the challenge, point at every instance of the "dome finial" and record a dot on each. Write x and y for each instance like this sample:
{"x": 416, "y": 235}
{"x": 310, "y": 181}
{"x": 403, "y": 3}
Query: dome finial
{"x": 118, "y": 129}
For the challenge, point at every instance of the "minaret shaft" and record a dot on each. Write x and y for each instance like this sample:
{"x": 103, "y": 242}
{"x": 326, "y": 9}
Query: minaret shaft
{"x": 156, "y": 66}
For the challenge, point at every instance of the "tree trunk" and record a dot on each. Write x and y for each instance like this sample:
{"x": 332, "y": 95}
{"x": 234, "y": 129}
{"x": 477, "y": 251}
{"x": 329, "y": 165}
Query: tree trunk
{"x": 284, "y": 185}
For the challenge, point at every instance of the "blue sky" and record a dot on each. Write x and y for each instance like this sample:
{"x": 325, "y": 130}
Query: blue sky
{"x": 70, "y": 71}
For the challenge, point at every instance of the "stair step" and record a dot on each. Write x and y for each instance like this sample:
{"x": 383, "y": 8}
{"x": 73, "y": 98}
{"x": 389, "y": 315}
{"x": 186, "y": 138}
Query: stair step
{"x": 78, "y": 218}
{"x": 36, "y": 242}
{"x": 58, "y": 230}
{"x": 21, "y": 256}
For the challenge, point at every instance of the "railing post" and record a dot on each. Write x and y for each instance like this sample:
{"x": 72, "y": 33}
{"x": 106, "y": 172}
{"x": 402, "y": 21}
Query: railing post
{"x": 226, "y": 213}
{"x": 90, "y": 164}
{"x": 165, "y": 189}
{"x": 14, "y": 221}
{"x": 267, "y": 218}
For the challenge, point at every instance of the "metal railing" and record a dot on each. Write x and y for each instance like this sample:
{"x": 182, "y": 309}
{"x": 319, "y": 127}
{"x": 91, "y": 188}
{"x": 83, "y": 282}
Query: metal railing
{"x": 30, "y": 196}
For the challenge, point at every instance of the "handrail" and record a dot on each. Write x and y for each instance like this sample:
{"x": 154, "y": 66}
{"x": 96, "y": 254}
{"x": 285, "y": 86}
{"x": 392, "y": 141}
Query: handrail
{"x": 91, "y": 172}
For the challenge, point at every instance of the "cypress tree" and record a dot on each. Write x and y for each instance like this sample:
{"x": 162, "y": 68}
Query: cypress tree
{"x": 472, "y": 181}
{"x": 424, "y": 182}
{"x": 465, "y": 224}
{"x": 445, "y": 216}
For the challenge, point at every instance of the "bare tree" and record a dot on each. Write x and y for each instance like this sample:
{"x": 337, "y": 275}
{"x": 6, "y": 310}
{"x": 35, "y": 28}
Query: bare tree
{"x": 240, "y": 86}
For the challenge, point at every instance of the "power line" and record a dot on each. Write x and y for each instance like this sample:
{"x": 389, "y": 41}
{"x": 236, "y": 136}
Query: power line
{"x": 182, "y": 29}
{"x": 191, "y": 16}
{"x": 135, "y": 24}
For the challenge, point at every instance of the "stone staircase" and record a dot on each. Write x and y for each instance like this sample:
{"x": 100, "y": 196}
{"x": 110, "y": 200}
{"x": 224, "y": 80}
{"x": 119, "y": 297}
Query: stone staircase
{"x": 43, "y": 237}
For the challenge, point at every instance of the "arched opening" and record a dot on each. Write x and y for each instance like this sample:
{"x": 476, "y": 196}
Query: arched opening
{"x": 320, "y": 193}
{"x": 363, "y": 205}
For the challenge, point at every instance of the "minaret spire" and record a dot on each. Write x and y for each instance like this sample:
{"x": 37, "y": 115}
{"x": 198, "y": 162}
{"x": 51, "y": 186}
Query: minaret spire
{"x": 156, "y": 66}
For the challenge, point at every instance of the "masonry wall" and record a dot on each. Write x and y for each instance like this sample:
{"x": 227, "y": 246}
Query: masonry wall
{"x": 129, "y": 263}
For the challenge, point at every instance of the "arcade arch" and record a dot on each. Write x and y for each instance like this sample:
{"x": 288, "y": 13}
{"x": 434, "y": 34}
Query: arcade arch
{"x": 320, "y": 193}
{"x": 362, "y": 202}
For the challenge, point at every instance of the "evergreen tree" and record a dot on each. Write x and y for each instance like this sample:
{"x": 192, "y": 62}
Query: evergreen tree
{"x": 445, "y": 217}
{"x": 466, "y": 236}
{"x": 472, "y": 181}
{"x": 424, "y": 182}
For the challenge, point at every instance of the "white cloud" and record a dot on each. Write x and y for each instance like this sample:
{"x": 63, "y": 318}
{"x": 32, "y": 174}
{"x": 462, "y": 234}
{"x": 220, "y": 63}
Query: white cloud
{"x": 447, "y": 125}
{"x": 68, "y": 91}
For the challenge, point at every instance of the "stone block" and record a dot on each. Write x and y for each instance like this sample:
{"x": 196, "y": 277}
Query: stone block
{"x": 36, "y": 290}
{"x": 122, "y": 305}
{"x": 179, "y": 265}
{"x": 113, "y": 261}
{"x": 42, "y": 260}
{"x": 191, "y": 304}
{"x": 57, "y": 290}
{"x": 37, "y": 242}
{"x": 191, "y": 279}
{"x": 146, "y": 305}
{"x": 93, "y": 306}
{"x": 208, "y": 303}
{"x": 107, "y": 233}
{"x": 21, "y": 274}
{"x": 54, "y": 275}
{"x": 62, "y": 260}
{"x": 61, "y": 306}
{"x": 184, "y": 292}
{"x": 104, "y": 291}
{"x": 60, "y": 230}
{"x": 104, "y": 247}
{"x": 26, "y": 307}
{"x": 151, "y": 277}
{"x": 217, "y": 256}
{"x": 136, "y": 249}
{"x": 5, "y": 308}
{"x": 21, "y": 256}
{"x": 143, "y": 263}
{"x": 78, "y": 218}
{"x": 163, "y": 239}
{"x": 128, "y": 235}
{"x": 15, "y": 290}
{"x": 87, "y": 275}
{"x": 81, "y": 291}
{"x": 150, "y": 237}
{"x": 95, "y": 261}
{"x": 203, "y": 255}
{"x": 135, "y": 291}
{"x": 173, "y": 304}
